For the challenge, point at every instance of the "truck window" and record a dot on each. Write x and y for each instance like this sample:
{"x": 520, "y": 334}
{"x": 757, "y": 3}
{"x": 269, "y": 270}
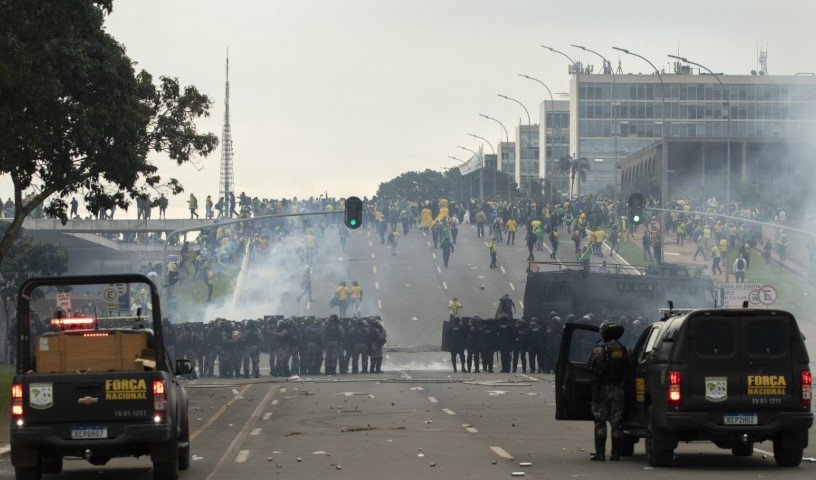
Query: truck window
{"x": 767, "y": 337}
{"x": 583, "y": 341}
{"x": 714, "y": 338}
{"x": 650, "y": 343}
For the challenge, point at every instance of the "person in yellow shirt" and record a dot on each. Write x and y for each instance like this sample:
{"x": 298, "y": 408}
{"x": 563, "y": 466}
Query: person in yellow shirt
{"x": 453, "y": 308}
{"x": 512, "y": 226}
{"x": 341, "y": 298}
{"x": 356, "y": 294}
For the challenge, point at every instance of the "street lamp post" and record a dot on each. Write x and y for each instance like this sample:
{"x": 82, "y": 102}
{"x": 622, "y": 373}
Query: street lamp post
{"x": 481, "y": 170}
{"x": 576, "y": 71}
{"x": 470, "y": 183}
{"x": 520, "y": 134}
{"x": 728, "y": 120}
{"x": 506, "y": 141}
{"x": 617, "y": 114}
{"x": 552, "y": 128}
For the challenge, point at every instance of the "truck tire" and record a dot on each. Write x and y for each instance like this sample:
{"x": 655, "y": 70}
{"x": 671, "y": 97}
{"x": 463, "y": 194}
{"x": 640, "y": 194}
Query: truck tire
{"x": 784, "y": 456}
{"x": 168, "y": 470}
{"x": 655, "y": 455}
{"x": 51, "y": 464}
{"x": 745, "y": 450}
{"x": 626, "y": 447}
{"x": 184, "y": 455}
{"x": 27, "y": 473}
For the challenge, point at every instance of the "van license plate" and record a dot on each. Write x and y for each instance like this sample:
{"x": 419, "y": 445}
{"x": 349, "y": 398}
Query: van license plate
{"x": 740, "y": 419}
{"x": 84, "y": 433}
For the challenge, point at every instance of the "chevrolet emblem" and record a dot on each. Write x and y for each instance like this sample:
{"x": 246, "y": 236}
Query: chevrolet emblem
{"x": 88, "y": 400}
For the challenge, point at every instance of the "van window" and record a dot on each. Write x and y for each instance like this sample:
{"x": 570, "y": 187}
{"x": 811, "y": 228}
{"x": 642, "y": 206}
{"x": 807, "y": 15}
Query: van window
{"x": 650, "y": 343}
{"x": 767, "y": 337}
{"x": 714, "y": 338}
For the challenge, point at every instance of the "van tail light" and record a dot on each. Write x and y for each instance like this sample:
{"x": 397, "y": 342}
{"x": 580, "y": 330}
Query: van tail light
{"x": 17, "y": 410}
{"x": 673, "y": 395}
{"x": 807, "y": 388}
{"x": 159, "y": 400}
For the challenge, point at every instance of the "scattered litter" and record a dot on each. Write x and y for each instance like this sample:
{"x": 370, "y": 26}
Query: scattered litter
{"x": 648, "y": 468}
{"x": 494, "y": 462}
{"x": 389, "y": 440}
{"x": 229, "y": 425}
{"x": 299, "y": 459}
{"x": 420, "y": 455}
{"x": 239, "y": 397}
{"x": 414, "y": 319}
{"x": 806, "y": 459}
{"x": 319, "y": 452}
{"x": 199, "y": 418}
{"x": 269, "y": 459}
{"x": 428, "y": 421}
{"x": 417, "y": 389}
{"x": 526, "y": 464}
{"x": 292, "y": 434}
{"x": 294, "y": 377}
{"x": 433, "y": 464}
{"x": 235, "y": 391}
{"x": 197, "y": 458}
{"x": 339, "y": 467}
{"x": 275, "y": 451}
{"x": 532, "y": 393}
{"x": 517, "y": 474}
{"x": 496, "y": 393}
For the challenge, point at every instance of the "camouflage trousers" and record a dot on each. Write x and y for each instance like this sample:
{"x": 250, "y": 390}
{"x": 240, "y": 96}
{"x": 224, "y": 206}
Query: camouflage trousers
{"x": 607, "y": 406}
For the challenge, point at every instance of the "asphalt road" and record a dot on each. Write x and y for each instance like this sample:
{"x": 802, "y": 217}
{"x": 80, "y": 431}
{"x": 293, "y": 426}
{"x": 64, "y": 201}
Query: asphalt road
{"x": 417, "y": 420}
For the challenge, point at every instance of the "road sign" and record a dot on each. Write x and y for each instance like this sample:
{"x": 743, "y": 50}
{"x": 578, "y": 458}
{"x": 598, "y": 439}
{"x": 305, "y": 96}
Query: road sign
{"x": 757, "y": 295}
{"x": 64, "y": 302}
{"x": 110, "y": 294}
{"x": 654, "y": 226}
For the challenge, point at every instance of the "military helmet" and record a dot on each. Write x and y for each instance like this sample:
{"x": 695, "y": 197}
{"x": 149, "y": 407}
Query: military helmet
{"x": 611, "y": 331}
{"x": 570, "y": 318}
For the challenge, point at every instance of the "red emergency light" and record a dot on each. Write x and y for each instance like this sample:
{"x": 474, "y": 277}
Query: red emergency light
{"x": 72, "y": 322}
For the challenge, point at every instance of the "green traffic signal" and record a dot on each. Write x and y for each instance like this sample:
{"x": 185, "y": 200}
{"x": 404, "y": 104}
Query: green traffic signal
{"x": 353, "y": 214}
{"x": 636, "y": 218}
{"x": 352, "y": 222}
{"x": 636, "y": 205}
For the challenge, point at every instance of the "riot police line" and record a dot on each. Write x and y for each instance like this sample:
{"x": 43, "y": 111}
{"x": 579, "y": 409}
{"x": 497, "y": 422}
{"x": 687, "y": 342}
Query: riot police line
{"x": 296, "y": 345}
{"x": 532, "y": 342}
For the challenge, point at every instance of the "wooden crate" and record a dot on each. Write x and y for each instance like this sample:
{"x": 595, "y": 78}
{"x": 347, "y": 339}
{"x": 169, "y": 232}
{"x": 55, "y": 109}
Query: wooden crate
{"x": 115, "y": 352}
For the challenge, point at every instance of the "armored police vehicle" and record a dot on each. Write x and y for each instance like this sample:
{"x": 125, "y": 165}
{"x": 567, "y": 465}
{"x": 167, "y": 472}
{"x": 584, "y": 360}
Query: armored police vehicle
{"x": 93, "y": 380}
{"x": 734, "y": 377}
{"x": 621, "y": 290}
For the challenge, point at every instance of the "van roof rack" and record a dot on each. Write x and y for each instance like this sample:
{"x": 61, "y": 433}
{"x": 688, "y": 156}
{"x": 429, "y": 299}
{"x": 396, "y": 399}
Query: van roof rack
{"x": 667, "y": 313}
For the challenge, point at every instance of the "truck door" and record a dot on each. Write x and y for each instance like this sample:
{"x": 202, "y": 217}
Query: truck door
{"x": 573, "y": 377}
{"x": 768, "y": 360}
{"x": 715, "y": 379}
{"x": 636, "y": 392}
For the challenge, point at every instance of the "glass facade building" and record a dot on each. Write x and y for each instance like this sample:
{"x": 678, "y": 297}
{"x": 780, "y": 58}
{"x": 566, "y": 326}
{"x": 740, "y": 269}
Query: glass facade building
{"x": 555, "y": 129}
{"x": 615, "y": 116}
{"x": 527, "y": 153}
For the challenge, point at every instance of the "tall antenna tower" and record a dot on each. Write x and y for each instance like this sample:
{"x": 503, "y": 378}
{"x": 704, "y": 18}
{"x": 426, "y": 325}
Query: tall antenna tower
{"x": 762, "y": 59}
{"x": 227, "y": 182}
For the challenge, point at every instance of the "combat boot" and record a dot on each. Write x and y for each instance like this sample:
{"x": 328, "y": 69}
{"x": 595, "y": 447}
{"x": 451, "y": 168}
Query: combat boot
{"x": 600, "y": 446}
{"x": 614, "y": 456}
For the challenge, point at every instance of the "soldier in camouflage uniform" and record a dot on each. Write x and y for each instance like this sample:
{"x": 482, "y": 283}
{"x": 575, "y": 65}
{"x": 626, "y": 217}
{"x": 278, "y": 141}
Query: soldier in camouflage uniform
{"x": 610, "y": 364}
{"x": 186, "y": 347}
{"x": 333, "y": 335}
{"x": 377, "y": 338}
{"x": 252, "y": 349}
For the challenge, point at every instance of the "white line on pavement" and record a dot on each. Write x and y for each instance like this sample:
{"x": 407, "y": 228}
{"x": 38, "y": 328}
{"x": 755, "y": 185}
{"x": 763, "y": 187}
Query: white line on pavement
{"x": 370, "y": 244}
{"x": 377, "y": 285}
{"x": 369, "y": 233}
{"x": 512, "y": 287}
{"x": 521, "y": 303}
{"x": 449, "y": 411}
{"x": 502, "y": 269}
{"x": 242, "y": 456}
{"x": 432, "y": 399}
{"x": 274, "y": 402}
{"x": 433, "y": 255}
{"x": 470, "y": 428}
{"x": 763, "y": 452}
{"x": 374, "y": 269}
{"x": 267, "y": 415}
{"x": 429, "y": 243}
{"x": 501, "y": 452}
{"x": 372, "y": 255}
{"x": 255, "y": 431}
{"x": 444, "y": 285}
{"x": 379, "y": 304}
{"x": 308, "y": 305}
{"x": 282, "y": 390}
{"x": 438, "y": 269}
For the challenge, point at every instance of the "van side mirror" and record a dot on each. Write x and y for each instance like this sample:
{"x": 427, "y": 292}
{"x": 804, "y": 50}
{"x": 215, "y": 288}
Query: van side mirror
{"x": 183, "y": 366}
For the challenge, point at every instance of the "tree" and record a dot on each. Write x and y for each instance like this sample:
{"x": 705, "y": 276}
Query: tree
{"x": 26, "y": 259}
{"x": 575, "y": 167}
{"x": 417, "y": 185}
{"x": 78, "y": 118}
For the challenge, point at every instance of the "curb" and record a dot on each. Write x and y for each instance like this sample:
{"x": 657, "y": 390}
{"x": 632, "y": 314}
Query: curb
{"x": 5, "y": 449}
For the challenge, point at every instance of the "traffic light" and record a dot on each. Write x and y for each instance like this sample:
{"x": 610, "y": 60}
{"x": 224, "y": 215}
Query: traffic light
{"x": 636, "y": 205}
{"x": 353, "y": 215}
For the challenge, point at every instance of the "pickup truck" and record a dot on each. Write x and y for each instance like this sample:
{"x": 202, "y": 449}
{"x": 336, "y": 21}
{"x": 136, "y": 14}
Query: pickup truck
{"x": 95, "y": 382}
{"x": 734, "y": 377}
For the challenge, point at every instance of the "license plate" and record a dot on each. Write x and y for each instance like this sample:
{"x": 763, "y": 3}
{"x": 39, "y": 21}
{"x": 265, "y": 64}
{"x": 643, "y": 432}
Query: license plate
{"x": 84, "y": 433}
{"x": 740, "y": 419}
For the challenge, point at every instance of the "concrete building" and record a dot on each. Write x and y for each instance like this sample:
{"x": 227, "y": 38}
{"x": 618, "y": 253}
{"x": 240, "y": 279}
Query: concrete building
{"x": 507, "y": 155}
{"x": 614, "y": 116}
{"x": 554, "y": 127}
{"x": 527, "y": 154}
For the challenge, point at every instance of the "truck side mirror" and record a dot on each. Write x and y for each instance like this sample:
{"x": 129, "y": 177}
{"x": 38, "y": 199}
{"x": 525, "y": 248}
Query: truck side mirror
{"x": 183, "y": 366}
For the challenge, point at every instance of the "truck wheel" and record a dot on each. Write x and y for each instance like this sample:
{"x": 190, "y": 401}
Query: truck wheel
{"x": 626, "y": 447}
{"x": 745, "y": 450}
{"x": 27, "y": 473}
{"x": 184, "y": 456}
{"x": 656, "y": 456}
{"x": 786, "y": 457}
{"x": 169, "y": 470}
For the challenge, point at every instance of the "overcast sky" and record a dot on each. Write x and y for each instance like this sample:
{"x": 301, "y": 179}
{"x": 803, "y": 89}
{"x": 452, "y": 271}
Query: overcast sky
{"x": 341, "y": 95}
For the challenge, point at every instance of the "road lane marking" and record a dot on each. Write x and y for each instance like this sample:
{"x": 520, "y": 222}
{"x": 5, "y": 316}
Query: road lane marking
{"x": 267, "y": 415}
{"x": 282, "y": 390}
{"x": 239, "y": 439}
{"x": 369, "y": 233}
{"x": 242, "y": 456}
{"x": 501, "y": 452}
{"x": 370, "y": 244}
{"x": 449, "y": 411}
{"x": 429, "y": 243}
{"x": 764, "y": 452}
{"x": 372, "y": 255}
{"x": 470, "y": 428}
{"x": 308, "y": 305}
{"x": 219, "y": 412}
{"x": 379, "y": 304}
{"x": 433, "y": 255}
{"x": 377, "y": 285}
{"x": 512, "y": 287}
{"x": 438, "y": 269}
{"x": 405, "y": 375}
{"x": 274, "y": 402}
{"x": 444, "y": 285}
{"x": 374, "y": 269}
{"x": 502, "y": 269}
{"x": 521, "y": 303}
{"x": 255, "y": 431}
{"x": 432, "y": 399}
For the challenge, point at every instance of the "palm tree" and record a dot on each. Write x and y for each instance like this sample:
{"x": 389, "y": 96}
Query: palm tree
{"x": 575, "y": 167}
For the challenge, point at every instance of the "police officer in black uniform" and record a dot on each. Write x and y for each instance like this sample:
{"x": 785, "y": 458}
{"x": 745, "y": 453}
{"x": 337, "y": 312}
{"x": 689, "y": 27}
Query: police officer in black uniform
{"x": 535, "y": 346}
{"x": 333, "y": 337}
{"x": 610, "y": 364}
{"x": 456, "y": 342}
{"x": 470, "y": 327}
{"x": 506, "y": 334}
{"x": 486, "y": 341}
{"x": 520, "y": 346}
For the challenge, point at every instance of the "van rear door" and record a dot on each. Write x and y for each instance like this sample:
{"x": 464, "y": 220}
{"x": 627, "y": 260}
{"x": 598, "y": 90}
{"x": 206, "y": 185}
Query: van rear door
{"x": 715, "y": 377}
{"x": 767, "y": 347}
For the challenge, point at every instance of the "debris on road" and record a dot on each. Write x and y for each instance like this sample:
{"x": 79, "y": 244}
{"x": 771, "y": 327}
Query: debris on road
{"x": 526, "y": 464}
{"x": 292, "y": 434}
{"x": 197, "y": 458}
{"x": 517, "y": 474}
{"x": 319, "y": 452}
